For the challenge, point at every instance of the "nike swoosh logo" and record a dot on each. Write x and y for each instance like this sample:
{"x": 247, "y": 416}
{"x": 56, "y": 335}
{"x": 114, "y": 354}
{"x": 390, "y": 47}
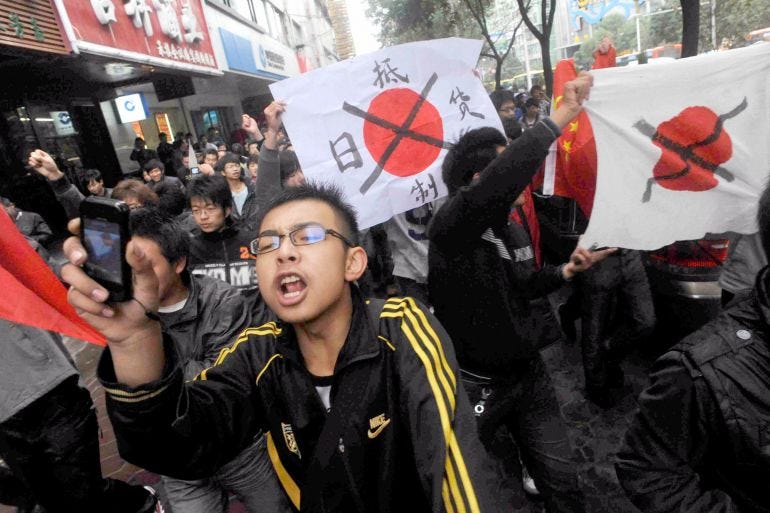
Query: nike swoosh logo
{"x": 376, "y": 432}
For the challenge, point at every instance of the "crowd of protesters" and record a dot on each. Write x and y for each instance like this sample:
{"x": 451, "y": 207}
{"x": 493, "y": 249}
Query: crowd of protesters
{"x": 276, "y": 352}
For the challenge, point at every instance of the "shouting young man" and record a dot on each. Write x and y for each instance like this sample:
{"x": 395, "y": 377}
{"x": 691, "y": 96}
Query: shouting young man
{"x": 360, "y": 399}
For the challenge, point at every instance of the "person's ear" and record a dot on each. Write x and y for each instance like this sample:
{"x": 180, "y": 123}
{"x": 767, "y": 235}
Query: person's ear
{"x": 180, "y": 265}
{"x": 228, "y": 211}
{"x": 355, "y": 263}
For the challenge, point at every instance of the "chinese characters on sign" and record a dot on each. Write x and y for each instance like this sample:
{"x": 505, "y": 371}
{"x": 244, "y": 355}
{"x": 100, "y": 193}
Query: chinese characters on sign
{"x": 15, "y": 26}
{"x": 181, "y": 28}
{"x": 423, "y": 192}
{"x": 355, "y": 156}
{"x": 464, "y": 99}
{"x": 387, "y": 74}
{"x": 378, "y": 125}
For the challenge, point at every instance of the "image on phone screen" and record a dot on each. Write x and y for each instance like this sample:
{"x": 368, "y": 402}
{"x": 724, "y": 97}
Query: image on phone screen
{"x": 194, "y": 171}
{"x": 103, "y": 244}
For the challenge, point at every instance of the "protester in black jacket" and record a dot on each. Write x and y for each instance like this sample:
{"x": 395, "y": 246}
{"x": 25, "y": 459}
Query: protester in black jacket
{"x": 219, "y": 247}
{"x": 480, "y": 284}
{"x": 362, "y": 402}
{"x": 701, "y": 439}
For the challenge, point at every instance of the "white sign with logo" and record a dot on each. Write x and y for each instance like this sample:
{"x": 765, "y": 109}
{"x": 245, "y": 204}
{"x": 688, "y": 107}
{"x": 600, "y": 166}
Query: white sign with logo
{"x": 62, "y": 122}
{"x": 131, "y": 108}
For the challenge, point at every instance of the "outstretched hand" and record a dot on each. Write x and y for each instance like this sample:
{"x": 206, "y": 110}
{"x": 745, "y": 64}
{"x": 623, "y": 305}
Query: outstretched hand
{"x": 582, "y": 259}
{"x": 44, "y": 165}
{"x": 575, "y": 93}
{"x": 250, "y": 125}
{"x": 274, "y": 115}
{"x": 134, "y": 338}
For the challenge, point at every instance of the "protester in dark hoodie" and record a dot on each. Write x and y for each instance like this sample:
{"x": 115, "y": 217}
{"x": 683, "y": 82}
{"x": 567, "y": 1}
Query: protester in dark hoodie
{"x": 480, "y": 282}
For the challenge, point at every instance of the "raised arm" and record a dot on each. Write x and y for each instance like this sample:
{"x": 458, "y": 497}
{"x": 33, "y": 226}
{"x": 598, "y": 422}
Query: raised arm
{"x": 67, "y": 194}
{"x": 473, "y": 208}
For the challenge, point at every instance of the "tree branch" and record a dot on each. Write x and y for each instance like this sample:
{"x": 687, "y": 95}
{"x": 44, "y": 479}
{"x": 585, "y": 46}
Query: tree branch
{"x": 524, "y": 11}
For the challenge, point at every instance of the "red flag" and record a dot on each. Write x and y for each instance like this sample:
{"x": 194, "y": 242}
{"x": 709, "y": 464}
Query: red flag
{"x": 31, "y": 292}
{"x": 576, "y": 149}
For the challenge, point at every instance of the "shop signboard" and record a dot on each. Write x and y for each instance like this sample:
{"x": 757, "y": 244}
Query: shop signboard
{"x": 32, "y": 25}
{"x": 169, "y": 33}
{"x": 257, "y": 56}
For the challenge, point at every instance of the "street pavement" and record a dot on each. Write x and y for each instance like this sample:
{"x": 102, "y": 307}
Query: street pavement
{"x": 595, "y": 434}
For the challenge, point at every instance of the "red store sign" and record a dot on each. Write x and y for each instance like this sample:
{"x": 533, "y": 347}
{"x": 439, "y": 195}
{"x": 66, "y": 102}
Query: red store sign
{"x": 170, "y": 33}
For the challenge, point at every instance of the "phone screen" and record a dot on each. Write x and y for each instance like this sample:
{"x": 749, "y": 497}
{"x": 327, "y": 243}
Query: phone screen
{"x": 102, "y": 242}
{"x": 194, "y": 171}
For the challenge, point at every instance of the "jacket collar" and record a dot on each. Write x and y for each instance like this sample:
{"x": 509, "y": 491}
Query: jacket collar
{"x": 360, "y": 344}
{"x": 190, "y": 310}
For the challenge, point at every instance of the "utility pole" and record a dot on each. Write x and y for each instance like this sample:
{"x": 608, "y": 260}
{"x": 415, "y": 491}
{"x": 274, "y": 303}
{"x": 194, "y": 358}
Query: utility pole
{"x": 714, "y": 24}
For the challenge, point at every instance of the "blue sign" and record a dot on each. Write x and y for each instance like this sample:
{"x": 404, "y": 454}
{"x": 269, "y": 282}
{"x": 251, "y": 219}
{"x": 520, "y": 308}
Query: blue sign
{"x": 594, "y": 11}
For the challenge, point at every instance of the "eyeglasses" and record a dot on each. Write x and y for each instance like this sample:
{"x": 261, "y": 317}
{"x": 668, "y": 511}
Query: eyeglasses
{"x": 303, "y": 236}
{"x": 508, "y": 109}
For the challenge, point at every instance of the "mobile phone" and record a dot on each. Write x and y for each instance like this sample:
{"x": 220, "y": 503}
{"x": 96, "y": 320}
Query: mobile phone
{"x": 105, "y": 234}
{"x": 244, "y": 160}
{"x": 195, "y": 170}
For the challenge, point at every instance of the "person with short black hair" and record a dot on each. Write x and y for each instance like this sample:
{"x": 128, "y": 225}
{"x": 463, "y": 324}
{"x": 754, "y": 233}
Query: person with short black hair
{"x": 481, "y": 280}
{"x": 504, "y": 103}
{"x": 355, "y": 406}
{"x": 219, "y": 245}
{"x": 252, "y": 168}
{"x": 532, "y": 114}
{"x": 156, "y": 170}
{"x": 699, "y": 441}
{"x": 244, "y": 194}
{"x": 291, "y": 171}
{"x": 93, "y": 181}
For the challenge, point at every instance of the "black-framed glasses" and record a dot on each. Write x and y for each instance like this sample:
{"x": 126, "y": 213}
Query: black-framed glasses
{"x": 311, "y": 233}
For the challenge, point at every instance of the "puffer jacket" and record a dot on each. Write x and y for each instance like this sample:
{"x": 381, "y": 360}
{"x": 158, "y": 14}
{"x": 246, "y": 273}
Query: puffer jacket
{"x": 701, "y": 439}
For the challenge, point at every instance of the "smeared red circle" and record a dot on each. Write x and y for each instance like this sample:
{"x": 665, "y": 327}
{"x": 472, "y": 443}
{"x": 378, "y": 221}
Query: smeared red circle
{"x": 691, "y": 127}
{"x": 410, "y": 157}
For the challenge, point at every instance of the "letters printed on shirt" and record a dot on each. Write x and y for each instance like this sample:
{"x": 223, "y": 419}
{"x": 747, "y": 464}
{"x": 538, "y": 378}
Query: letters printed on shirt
{"x": 376, "y": 425}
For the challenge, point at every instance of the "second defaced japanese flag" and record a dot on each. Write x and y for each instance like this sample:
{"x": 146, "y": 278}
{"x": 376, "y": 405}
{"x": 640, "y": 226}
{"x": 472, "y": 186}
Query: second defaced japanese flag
{"x": 683, "y": 148}
{"x": 379, "y": 125}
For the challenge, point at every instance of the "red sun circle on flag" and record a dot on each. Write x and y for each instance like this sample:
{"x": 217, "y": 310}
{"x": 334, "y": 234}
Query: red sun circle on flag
{"x": 410, "y": 156}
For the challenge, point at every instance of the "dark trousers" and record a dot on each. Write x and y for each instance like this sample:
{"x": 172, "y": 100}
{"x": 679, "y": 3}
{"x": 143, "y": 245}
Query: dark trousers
{"x": 616, "y": 312}
{"x": 52, "y": 446}
{"x": 529, "y": 409}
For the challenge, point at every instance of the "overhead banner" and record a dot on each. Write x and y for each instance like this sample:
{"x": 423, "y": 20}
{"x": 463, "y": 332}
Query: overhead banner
{"x": 379, "y": 125}
{"x": 675, "y": 161}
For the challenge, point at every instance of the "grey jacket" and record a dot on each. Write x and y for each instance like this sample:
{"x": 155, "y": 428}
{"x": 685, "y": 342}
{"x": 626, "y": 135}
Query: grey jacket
{"x": 70, "y": 197}
{"x": 32, "y": 363}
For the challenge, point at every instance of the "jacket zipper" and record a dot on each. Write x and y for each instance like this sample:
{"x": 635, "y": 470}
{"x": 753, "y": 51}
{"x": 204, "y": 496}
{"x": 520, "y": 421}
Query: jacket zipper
{"x": 353, "y": 489}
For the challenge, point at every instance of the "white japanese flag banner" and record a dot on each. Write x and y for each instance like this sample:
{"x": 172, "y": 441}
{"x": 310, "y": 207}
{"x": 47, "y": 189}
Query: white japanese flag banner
{"x": 683, "y": 148}
{"x": 378, "y": 125}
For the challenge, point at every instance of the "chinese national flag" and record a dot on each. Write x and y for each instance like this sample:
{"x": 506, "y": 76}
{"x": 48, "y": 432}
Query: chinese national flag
{"x": 575, "y": 174}
{"x": 32, "y": 294}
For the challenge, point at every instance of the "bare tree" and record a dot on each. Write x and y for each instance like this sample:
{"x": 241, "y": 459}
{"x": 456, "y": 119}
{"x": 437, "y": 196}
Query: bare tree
{"x": 543, "y": 35}
{"x": 478, "y": 10}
